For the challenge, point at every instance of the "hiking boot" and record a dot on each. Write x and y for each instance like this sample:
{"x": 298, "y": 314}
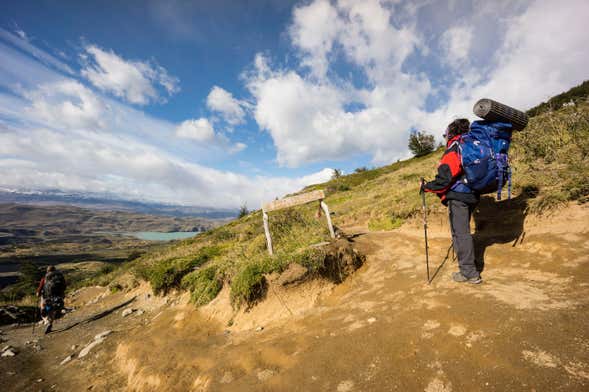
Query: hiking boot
{"x": 48, "y": 329}
{"x": 458, "y": 277}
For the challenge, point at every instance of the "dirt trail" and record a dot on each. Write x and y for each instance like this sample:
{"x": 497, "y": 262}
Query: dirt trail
{"x": 524, "y": 329}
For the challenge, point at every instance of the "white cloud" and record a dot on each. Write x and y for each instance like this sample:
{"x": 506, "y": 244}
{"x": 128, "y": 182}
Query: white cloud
{"x": 83, "y": 161}
{"x": 456, "y": 43}
{"x": 22, "y": 42}
{"x": 237, "y": 147}
{"x": 200, "y": 130}
{"x": 314, "y": 29}
{"x": 222, "y": 101}
{"x": 133, "y": 81}
{"x": 308, "y": 116}
{"x": 67, "y": 103}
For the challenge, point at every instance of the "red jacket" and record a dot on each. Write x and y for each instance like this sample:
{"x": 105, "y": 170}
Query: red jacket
{"x": 40, "y": 288}
{"x": 449, "y": 172}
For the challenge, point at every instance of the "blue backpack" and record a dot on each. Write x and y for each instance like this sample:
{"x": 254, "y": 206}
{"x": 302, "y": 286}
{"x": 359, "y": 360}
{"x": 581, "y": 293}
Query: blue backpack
{"x": 483, "y": 151}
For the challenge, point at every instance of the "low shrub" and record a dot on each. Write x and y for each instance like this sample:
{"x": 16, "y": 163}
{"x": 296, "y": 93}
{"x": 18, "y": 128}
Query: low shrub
{"x": 203, "y": 284}
{"x": 249, "y": 284}
{"x": 168, "y": 274}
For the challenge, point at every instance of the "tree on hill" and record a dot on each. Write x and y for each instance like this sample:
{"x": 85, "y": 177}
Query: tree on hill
{"x": 421, "y": 143}
{"x": 337, "y": 173}
{"x": 243, "y": 211}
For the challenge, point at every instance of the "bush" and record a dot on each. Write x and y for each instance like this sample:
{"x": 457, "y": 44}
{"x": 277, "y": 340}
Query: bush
{"x": 249, "y": 285}
{"x": 168, "y": 274}
{"x": 421, "y": 143}
{"x": 243, "y": 211}
{"x": 203, "y": 284}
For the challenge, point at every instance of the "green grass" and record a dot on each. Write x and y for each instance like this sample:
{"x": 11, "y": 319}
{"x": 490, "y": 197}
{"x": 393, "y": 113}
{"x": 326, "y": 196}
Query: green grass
{"x": 204, "y": 285}
{"x": 552, "y": 154}
{"x": 167, "y": 274}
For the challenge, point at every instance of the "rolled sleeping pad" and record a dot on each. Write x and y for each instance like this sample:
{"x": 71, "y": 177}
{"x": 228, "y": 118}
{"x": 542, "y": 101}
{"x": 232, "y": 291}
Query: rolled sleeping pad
{"x": 495, "y": 111}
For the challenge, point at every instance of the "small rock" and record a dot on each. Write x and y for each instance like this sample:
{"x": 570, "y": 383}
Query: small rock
{"x": 295, "y": 273}
{"x": 39, "y": 380}
{"x": 8, "y": 347}
{"x": 66, "y": 360}
{"x": 74, "y": 347}
{"x": 140, "y": 312}
{"x": 371, "y": 320}
{"x": 86, "y": 350}
{"x": 265, "y": 374}
{"x": 260, "y": 328}
{"x": 8, "y": 353}
{"x": 11, "y": 373}
{"x": 345, "y": 386}
{"x": 227, "y": 378}
{"x": 127, "y": 312}
{"x": 102, "y": 335}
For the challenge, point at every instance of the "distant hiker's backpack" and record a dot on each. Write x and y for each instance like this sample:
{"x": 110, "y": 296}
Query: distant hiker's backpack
{"x": 54, "y": 285}
{"x": 484, "y": 157}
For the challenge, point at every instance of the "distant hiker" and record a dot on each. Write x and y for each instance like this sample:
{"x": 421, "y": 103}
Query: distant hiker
{"x": 460, "y": 199}
{"x": 52, "y": 291}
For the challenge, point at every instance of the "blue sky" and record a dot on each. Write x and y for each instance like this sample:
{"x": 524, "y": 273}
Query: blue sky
{"x": 223, "y": 103}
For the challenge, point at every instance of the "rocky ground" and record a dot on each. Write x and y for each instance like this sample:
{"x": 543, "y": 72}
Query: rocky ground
{"x": 384, "y": 328}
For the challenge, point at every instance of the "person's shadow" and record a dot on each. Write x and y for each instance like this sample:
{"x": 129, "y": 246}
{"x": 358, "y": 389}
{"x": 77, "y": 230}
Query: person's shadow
{"x": 500, "y": 222}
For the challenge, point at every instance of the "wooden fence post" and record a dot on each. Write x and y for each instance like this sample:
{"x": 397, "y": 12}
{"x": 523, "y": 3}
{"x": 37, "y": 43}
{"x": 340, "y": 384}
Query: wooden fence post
{"x": 267, "y": 232}
{"x": 328, "y": 217}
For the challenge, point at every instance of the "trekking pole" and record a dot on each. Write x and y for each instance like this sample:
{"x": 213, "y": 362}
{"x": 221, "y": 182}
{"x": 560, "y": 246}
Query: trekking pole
{"x": 35, "y": 317}
{"x": 424, "y": 208}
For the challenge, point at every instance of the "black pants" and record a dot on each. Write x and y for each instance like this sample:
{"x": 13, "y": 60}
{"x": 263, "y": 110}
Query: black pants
{"x": 460, "y": 213}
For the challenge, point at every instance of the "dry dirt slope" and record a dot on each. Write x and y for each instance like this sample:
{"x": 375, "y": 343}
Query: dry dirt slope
{"x": 383, "y": 329}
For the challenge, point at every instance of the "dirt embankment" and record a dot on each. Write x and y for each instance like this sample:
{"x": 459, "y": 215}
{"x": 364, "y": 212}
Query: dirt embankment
{"x": 384, "y": 328}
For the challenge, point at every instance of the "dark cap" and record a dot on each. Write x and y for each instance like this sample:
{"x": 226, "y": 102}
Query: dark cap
{"x": 457, "y": 127}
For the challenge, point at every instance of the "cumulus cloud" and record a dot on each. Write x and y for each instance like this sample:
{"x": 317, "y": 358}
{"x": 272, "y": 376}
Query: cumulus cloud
{"x": 456, "y": 43}
{"x": 67, "y": 103}
{"x": 200, "y": 130}
{"x": 314, "y": 29}
{"x": 134, "y": 81}
{"x": 308, "y": 116}
{"x": 223, "y": 102}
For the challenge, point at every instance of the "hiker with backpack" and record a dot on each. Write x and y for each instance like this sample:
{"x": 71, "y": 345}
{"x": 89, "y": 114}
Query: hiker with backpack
{"x": 475, "y": 162}
{"x": 460, "y": 199}
{"x": 52, "y": 292}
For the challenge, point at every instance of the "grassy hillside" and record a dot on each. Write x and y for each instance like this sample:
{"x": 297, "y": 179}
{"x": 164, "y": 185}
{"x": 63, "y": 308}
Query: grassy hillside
{"x": 549, "y": 161}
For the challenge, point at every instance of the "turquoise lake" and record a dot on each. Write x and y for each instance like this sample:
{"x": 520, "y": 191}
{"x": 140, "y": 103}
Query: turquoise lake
{"x": 160, "y": 236}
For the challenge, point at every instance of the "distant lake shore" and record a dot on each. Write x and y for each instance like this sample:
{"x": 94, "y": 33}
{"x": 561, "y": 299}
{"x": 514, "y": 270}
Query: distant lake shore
{"x": 161, "y": 236}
